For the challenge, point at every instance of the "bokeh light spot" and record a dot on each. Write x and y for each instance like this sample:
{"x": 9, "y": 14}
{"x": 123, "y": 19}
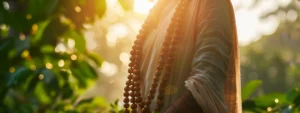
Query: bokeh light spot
{"x": 77, "y": 9}
{"x": 276, "y": 100}
{"x": 25, "y": 54}
{"x": 22, "y": 36}
{"x": 49, "y": 66}
{"x": 269, "y": 109}
{"x": 28, "y": 16}
{"x": 73, "y": 57}
{"x": 292, "y": 15}
{"x": 34, "y": 28}
{"x": 41, "y": 76}
{"x": 12, "y": 69}
{"x": 6, "y": 5}
{"x": 61, "y": 63}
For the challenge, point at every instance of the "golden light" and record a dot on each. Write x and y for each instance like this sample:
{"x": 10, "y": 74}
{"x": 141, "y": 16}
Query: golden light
{"x": 290, "y": 106}
{"x": 109, "y": 69}
{"x": 28, "y": 16}
{"x": 6, "y": 5}
{"x": 49, "y": 66}
{"x": 276, "y": 100}
{"x": 33, "y": 67}
{"x": 73, "y": 57}
{"x": 124, "y": 57}
{"x": 22, "y": 36}
{"x": 269, "y": 109}
{"x": 12, "y": 69}
{"x": 61, "y": 63}
{"x": 25, "y": 54}
{"x": 41, "y": 76}
{"x": 77, "y": 9}
{"x": 34, "y": 28}
{"x": 143, "y": 6}
{"x": 60, "y": 48}
{"x": 3, "y": 26}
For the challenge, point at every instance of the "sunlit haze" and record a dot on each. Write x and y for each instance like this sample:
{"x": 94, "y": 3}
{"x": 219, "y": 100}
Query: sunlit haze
{"x": 249, "y": 25}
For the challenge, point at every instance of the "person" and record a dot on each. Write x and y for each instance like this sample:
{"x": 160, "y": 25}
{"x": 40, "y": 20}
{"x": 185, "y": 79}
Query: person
{"x": 185, "y": 60}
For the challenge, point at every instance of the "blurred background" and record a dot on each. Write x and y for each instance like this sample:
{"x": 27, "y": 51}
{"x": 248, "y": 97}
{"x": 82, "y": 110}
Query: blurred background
{"x": 71, "y": 56}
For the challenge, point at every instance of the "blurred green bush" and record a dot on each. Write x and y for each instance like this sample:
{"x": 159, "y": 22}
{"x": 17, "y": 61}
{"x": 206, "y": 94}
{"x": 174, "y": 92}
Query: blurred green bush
{"x": 44, "y": 63}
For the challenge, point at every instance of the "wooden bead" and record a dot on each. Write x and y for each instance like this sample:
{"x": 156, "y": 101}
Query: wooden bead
{"x": 136, "y": 71}
{"x": 126, "y": 105}
{"x": 145, "y": 110}
{"x": 131, "y": 64}
{"x": 137, "y": 88}
{"x": 133, "y": 111}
{"x": 126, "y": 94}
{"x": 138, "y": 99}
{"x": 163, "y": 54}
{"x": 156, "y": 79}
{"x": 143, "y": 31}
{"x": 130, "y": 70}
{"x": 128, "y": 82}
{"x": 150, "y": 96}
{"x": 137, "y": 94}
{"x": 132, "y": 52}
{"x": 159, "y": 67}
{"x": 147, "y": 102}
{"x": 131, "y": 94}
{"x": 136, "y": 83}
{"x": 137, "y": 41}
{"x": 154, "y": 85}
{"x": 126, "y": 111}
{"x": 126, "y": 100}
{"x": 142, "y": 104}
{"x": 152, "y": 90}
{"x": 126, "y": 88}
{"x": 136, "y": 77}
{"x": 132, "y": 58}
{"x": 132, "y": 100}
{"x": 130, "y": 76}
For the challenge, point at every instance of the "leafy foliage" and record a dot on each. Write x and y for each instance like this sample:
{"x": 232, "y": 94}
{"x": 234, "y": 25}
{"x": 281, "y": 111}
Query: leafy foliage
{"x": 272, "y": 102}
{"x": 45, "y": 65}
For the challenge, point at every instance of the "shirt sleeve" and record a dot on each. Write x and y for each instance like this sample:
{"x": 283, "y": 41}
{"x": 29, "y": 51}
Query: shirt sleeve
{"x": 211, "y": 57}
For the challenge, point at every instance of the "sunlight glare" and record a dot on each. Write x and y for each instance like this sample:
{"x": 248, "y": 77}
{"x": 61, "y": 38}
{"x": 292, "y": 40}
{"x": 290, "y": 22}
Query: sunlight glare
{"x": 291, "y": 15}
{"x": 108, "y": 69}
{"x": 124, "y": 57}
{"x": 143, "y": 6}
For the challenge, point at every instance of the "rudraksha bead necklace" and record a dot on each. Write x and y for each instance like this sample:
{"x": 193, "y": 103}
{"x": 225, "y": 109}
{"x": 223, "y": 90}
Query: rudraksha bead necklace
{"x": 132, "y": 89}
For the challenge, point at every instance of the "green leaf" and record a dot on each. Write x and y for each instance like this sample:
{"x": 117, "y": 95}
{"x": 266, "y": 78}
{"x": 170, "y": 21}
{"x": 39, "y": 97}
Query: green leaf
{"x": 249, "y": 88}
{"x": 41, "y": 93}
{"x": 100, "y": 7}
{"x": 87, "y": 100}
{"x": 40, "y": 9}
{"x": 268, "y": 100}
{"x": 40, "y": 32}
{"x": 96, "y": 58}
{"x": 80, "y": 43}
{"x": 127, "y": 5}
{"x": 293, "y": 94}
{"x": 20, "y": 75}
{"x": 47, "y": 49}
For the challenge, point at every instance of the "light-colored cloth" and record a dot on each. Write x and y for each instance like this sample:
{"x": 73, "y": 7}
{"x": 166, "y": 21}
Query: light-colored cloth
{"x": 204, "y": 20}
